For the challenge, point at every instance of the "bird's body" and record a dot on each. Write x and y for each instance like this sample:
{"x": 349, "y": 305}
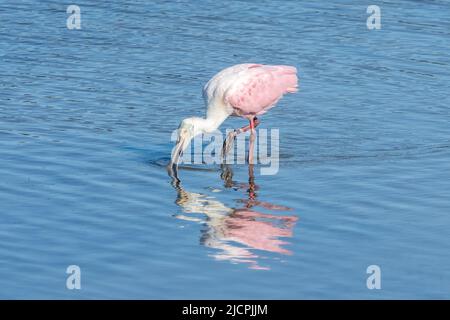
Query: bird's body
{"x": 249, "y": 89}
{"x": 246, "y": 90}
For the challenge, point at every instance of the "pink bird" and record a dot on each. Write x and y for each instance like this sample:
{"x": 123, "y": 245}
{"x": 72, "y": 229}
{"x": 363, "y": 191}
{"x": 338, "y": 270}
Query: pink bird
{"x": 246, "y": 90}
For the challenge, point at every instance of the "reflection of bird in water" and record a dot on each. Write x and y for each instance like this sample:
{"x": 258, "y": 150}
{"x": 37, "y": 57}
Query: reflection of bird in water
{"x": 237, "y": 232}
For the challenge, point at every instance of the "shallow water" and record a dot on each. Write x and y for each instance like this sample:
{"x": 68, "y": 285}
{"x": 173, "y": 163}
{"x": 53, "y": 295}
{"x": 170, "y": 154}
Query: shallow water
{"x": 85, "y": 123}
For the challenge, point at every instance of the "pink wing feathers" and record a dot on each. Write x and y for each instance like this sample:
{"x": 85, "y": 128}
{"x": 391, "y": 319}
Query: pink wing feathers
{"x": 257, "y": 88}
{"x": 249, "y": 88}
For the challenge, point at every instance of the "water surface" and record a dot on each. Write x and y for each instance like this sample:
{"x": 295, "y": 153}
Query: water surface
{"x": 85, "y": 123}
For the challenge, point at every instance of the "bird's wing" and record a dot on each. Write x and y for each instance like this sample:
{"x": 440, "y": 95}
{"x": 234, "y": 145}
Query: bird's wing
{"x": 256, "y": 88}
{"x": 222, "y": 81}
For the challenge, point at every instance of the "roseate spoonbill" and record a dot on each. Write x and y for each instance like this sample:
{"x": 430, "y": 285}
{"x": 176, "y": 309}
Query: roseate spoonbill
{"x": 246, "y": 90}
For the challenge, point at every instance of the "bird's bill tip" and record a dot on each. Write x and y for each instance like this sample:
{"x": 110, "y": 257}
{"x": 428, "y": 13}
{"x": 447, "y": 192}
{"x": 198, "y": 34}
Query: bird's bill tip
{"x": 177, "y": 152}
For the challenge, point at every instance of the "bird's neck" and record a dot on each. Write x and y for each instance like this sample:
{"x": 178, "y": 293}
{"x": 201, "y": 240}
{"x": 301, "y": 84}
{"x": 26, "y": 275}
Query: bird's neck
{"x": 214, "y": 118}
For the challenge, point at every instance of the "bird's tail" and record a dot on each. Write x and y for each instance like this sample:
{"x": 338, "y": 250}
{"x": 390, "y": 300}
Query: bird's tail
{"x": 288, "y": 79}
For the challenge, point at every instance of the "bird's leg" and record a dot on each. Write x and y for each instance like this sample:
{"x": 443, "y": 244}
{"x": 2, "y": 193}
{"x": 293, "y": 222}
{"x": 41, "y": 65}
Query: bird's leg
{"x": 228, "y": 143}
{"x": 252, "y": 141}
{"x": 251, "y": 187}
{"x": 227, "y": 175}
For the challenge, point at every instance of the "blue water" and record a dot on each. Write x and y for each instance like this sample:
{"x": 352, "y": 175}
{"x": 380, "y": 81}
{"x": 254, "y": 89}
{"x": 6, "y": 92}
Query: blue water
{"x": 85, "y": 123}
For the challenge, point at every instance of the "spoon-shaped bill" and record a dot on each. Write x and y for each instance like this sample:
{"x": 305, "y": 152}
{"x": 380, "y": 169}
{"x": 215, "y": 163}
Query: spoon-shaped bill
{"x": 177, "y": 151}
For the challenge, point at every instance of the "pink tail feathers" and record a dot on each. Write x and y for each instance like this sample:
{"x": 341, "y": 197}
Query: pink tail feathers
{"x": 288, "y": 78}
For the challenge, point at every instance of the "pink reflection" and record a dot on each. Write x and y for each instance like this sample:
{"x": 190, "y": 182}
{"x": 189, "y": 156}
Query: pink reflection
{"x": 245, "y": 230}
{"x": 240, "y": 235}
{"x": 244, "y": 226}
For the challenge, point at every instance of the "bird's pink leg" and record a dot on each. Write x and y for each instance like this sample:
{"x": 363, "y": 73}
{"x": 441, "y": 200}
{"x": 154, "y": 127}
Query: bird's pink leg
{"x": 246, "y": 128}
{"x": 228, "y": 143}
{"x": 252, "y": 141}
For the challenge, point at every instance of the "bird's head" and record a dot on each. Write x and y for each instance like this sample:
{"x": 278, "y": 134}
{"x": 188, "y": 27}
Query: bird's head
{"x": 188, "y": 129}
